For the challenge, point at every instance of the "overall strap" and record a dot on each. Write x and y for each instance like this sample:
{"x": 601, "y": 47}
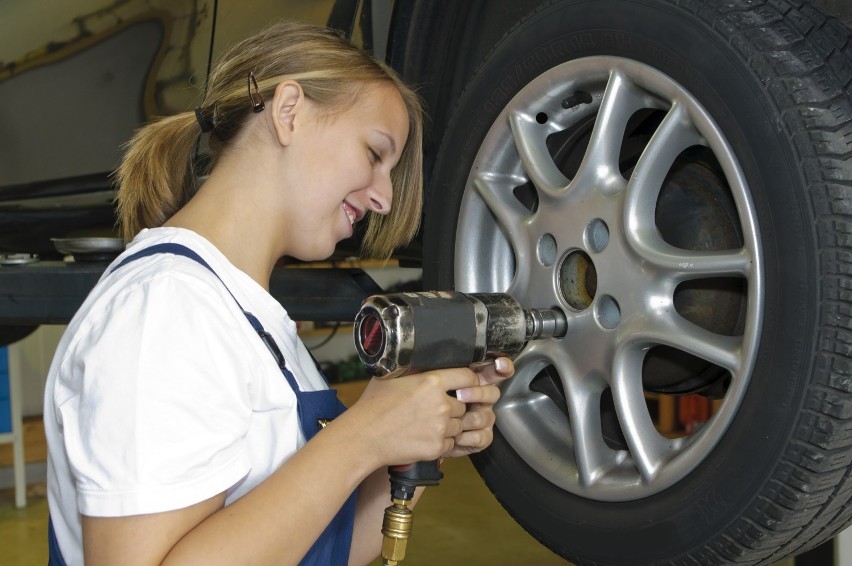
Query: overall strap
{"x": 181, "y": 250}
{"x": 54, "y": 555}
{"x": 314, "y": 409}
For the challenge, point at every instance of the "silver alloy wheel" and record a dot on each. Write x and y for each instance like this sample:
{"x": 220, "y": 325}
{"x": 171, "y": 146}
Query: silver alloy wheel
{"x": 608, "y": 222}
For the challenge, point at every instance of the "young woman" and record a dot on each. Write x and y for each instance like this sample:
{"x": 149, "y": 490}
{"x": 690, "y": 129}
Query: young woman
{"x": 181, "y": 408}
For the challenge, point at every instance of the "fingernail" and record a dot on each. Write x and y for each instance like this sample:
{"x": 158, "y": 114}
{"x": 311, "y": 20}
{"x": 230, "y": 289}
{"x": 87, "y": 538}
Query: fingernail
{"x": 463, "y": 394}
{"x": 501, "y": 364}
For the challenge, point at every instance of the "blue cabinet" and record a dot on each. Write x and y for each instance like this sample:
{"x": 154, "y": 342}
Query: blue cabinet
{"x": 5, "y": 397}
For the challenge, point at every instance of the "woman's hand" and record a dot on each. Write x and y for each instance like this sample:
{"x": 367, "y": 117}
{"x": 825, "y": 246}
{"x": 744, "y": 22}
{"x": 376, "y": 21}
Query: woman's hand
{"x": 411, "y": 418}
{"x": 472, "y": 410}
{"x": 414, "y": 418}
{"x": 478, "y": 421}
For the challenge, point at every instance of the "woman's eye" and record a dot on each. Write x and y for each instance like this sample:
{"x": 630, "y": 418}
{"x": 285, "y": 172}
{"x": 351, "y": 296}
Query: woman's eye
{"x": 374, "y": 157}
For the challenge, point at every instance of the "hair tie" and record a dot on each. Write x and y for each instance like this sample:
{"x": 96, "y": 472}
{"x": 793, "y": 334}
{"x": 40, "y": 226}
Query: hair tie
{"x": 203, "y": 121}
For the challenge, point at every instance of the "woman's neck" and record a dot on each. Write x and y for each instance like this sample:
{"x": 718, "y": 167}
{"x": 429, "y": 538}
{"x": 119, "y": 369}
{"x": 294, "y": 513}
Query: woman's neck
{"x": 233, "y": 225}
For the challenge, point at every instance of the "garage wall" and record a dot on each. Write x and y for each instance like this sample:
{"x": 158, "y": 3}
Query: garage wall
{"x": 843, "y": 548}
{"x": 30, "y": 358}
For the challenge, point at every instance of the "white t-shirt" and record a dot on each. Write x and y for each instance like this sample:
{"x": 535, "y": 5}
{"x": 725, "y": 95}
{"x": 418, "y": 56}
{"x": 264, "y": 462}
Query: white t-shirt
{"x": 162, "y": 395}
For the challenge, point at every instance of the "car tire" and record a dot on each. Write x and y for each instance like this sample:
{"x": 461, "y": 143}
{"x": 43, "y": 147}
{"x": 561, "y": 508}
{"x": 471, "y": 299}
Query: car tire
{"x": 675, "y": 177}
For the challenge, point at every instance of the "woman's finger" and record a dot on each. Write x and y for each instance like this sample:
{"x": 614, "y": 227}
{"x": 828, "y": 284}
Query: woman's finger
{"x": 487, "y": 394}
{"x": 455, "y": 428}
{"x": 478, "y": 418}
{"x": 474, "y": 440}
{"x": 502, "y": 368}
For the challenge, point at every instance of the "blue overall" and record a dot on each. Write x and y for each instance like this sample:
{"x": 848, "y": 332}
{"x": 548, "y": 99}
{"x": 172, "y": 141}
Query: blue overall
{"x": 315, "y": 408}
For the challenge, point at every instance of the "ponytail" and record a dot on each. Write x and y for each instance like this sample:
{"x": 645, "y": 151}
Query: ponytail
{"x": 156, "y": 176}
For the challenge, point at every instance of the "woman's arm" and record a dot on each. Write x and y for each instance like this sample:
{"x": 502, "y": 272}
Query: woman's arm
{"x": 400, "y": 420}
{"x": 142, "y": 539}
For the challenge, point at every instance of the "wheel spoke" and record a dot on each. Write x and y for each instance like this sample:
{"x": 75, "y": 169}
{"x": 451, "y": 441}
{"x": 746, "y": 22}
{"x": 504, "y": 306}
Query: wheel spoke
{"x": 677, "y": 332}
{"x": 650, "y": 450}
{"x": 593, "y": 456}
{"x": 497, "y": 193}
{"x": 675, "y": 134}
{"x": 600, "y": 164}
{"x": 512, "y": 217}
{"x": 531, "y": 142}
{"x": 533, "y": 420}
{"x": 681, "y": 265}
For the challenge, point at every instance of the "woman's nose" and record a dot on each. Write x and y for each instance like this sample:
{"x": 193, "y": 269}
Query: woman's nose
{"x": 381, "y": 195}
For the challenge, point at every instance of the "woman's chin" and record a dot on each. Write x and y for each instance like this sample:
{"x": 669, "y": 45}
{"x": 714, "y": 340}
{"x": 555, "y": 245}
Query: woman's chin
{"x": 315, "y": 255}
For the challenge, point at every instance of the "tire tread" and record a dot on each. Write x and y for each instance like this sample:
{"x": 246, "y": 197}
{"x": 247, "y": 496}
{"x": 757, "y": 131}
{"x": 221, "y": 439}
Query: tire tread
{"x": 803, "y": 58}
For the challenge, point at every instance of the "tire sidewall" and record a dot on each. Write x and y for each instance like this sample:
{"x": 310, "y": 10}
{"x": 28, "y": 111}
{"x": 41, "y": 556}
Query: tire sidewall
{"x": 726, "y": 484}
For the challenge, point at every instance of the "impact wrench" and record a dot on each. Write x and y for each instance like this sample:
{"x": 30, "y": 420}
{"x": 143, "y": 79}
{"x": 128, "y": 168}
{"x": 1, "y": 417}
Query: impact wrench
{"x": 403, "y": 333}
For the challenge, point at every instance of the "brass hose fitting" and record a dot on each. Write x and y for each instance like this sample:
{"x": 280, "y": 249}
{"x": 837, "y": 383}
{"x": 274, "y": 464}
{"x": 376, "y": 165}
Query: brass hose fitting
{"x": 396, "y": 528}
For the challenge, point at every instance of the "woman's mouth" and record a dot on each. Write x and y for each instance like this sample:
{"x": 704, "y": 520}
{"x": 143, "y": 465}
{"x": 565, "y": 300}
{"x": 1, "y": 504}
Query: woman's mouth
{"x": 351, "y": 213}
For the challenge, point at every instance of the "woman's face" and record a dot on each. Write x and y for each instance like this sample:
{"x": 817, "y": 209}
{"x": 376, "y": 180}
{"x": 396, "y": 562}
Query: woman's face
{"x": 339, "y": 170}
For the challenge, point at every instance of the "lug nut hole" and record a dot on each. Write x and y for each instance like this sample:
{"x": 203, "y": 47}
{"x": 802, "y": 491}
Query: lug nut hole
{"x": 607, "y": 312}
{"x": 546, "y": 250}
{"x": 596, "y": 236}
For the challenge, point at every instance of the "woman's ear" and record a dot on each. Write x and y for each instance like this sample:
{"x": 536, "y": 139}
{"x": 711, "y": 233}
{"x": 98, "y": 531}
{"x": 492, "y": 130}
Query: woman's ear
{"x": 287, "y": 104}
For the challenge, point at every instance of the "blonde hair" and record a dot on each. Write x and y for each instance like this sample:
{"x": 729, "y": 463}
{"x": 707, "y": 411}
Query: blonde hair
{"x": 160, "y": 171}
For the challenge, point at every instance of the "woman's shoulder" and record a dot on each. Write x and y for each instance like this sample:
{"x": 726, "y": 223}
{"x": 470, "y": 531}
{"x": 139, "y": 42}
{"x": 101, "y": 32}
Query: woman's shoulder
{"x": 167, "y": 250}
{"x": 186, "y": 255}
{"x": 162, "y": 289}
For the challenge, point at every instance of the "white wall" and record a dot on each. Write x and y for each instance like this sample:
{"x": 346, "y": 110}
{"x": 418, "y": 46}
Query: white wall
{"x": 843, "y": 548}
{"x": 30, "y": 358}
